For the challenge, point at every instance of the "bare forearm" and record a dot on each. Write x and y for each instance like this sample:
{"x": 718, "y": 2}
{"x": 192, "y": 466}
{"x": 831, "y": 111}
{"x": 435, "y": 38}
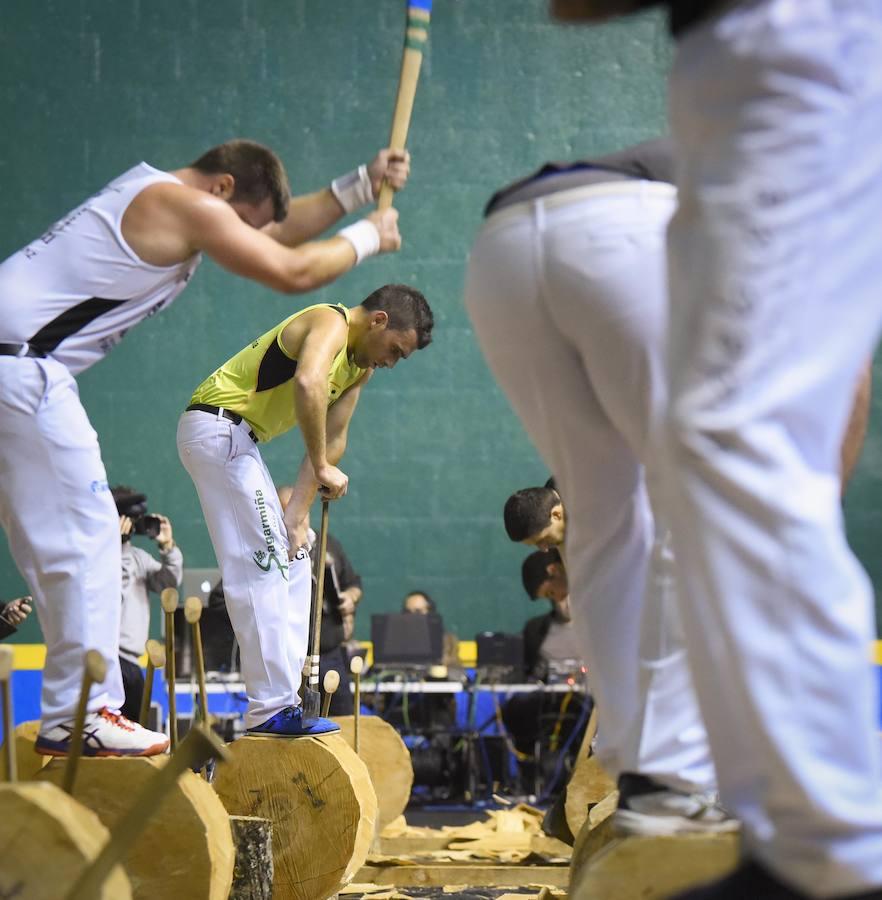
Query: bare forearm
{"x": 311, "y": 401}
{"x": 308, "y": 216}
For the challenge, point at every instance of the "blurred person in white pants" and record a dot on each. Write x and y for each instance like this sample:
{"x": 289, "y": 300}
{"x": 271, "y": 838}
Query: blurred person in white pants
{"x": 566, "y": 289}
{"x": 775, "y": 272}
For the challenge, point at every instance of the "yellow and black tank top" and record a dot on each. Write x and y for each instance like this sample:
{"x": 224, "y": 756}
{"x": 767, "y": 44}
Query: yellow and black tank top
{"x": 258, "y": 382}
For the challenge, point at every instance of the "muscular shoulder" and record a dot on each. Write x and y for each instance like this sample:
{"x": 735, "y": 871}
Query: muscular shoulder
{"x": 322, "y": 324}
{"x": 164, "y": 221}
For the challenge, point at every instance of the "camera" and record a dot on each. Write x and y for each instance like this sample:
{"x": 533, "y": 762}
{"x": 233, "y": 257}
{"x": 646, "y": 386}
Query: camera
{"x": 134, "y": 505}
{"x": 147, "y": 525}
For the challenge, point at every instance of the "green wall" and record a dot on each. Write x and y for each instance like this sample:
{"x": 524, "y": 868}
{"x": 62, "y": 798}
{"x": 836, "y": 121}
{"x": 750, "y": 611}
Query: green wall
{"x": 90, "y": 87}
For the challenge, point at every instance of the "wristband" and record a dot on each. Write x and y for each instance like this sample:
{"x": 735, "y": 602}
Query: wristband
{"x": 363, "y": 235}
{"x": 353, "y": 190}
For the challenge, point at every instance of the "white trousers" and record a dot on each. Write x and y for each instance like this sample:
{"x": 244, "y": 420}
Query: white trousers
{"x": 62, "y": 527}
{"x": 267, "y": 595}
{"x": 776, "y": 293}
{"x": 567, "y": 296}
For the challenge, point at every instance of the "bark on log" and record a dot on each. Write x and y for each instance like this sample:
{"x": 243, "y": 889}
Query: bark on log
{"x": 388, "y": 763}
{"x": 48, "y": 839}
{"x": 253, "y": 872}
{"x": 186, "y": 851}
{"x": 588, "y": 786}
{"x": 319, "y": 797}
{"x": 649, "y": 867}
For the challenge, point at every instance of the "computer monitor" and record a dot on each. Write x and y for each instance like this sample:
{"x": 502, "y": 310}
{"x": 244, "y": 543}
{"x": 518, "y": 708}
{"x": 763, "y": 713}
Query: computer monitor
{"x": 219, "y": 646}
{"x": 198, "y": 583}
{"x": 500, "y": 651}
{"x": 407, "y": 640}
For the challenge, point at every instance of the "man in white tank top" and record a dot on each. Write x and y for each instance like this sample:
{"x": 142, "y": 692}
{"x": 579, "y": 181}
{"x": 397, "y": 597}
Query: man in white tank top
{"x": 71, "y": 295}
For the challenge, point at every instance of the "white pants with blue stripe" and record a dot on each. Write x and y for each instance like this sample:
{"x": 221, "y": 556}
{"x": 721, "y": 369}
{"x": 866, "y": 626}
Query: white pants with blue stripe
{"x": 267, "y": 595}
{"x": 776, "y": 302}
{"x": 63, "y": 529}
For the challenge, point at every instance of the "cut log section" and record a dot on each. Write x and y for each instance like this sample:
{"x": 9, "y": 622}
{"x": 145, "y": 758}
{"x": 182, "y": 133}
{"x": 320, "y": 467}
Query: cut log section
{"x": 47, "y": 840}
{"x": 29, "y": 762}
{"x": 319, "y": 797}
{"x": 589, "y": 784}
{"x": 253, "y": 873}
{"x": 650, "y": 868}
{"x": 388, "y": 762}
{"x": 186, "y": 851}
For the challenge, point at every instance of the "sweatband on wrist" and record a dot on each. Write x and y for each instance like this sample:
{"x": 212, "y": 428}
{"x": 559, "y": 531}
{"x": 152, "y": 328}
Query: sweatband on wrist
{"x": 353, "y": 190}
{"x": 363, "y": 235}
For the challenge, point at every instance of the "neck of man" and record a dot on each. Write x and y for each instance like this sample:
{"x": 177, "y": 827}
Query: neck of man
{"x": 359, "y": 320}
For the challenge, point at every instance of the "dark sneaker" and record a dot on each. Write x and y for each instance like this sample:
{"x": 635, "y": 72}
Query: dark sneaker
{"x": 289, "y": 724}
{"x": 649, "y": 808}
{"x": 753, "y": 881}
{"x": 106, "y": 733}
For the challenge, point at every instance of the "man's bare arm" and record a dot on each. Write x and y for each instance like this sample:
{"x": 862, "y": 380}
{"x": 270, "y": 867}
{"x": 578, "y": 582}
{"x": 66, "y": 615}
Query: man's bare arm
{"x": 314, "y": 339}
{"x": 167, "y": 223}
{"x": 311, "y": 214}
{"x": 337, "y": 430}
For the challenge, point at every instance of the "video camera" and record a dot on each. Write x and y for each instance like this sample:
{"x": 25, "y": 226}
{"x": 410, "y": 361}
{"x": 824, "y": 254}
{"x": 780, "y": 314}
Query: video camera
{"x": 133, "y": 505}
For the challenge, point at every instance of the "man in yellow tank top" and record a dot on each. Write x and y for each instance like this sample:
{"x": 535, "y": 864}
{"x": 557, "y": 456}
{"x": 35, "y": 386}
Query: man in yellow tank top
{"x": 308, "y": 371}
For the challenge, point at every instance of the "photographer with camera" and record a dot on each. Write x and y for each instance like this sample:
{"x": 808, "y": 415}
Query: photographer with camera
{"x": 141, "y": 574}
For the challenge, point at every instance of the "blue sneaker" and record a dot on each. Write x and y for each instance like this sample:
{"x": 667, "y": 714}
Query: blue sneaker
{"x": 289, "y": 724}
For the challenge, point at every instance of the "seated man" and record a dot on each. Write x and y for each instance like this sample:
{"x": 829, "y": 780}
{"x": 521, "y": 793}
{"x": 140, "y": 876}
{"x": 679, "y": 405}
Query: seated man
{"x": 12, "y": 614}
{"x": 549, "y": 639}
{"x": 142, "y": 574}
{"x": 541, "y": 723}
{"x": 309, "y": 371}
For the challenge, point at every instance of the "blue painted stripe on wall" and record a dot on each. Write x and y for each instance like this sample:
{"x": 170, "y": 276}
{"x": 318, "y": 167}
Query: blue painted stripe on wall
{"x": 26, "y": 685}
{"x": 421, "y": 4}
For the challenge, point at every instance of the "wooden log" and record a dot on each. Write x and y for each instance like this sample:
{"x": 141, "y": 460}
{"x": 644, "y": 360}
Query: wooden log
{"x": 48, "y": 839}
{"x": 186, "y": 851}
{"x": 474, "y": 875}
{"x": 650, "y": 868}
{"x": 253, "y": 872}
{"x": 589, "y": 784}
{"x": 319, "y": 797}
{"x": 28, "y": 762}
{"x": 388, "y": 763}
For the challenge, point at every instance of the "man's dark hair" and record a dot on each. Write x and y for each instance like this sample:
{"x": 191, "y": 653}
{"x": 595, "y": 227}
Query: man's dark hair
{"x": 534, "y": 570}
{"x": 128, "y": 500}
{"x": 406, "y": 307}
{"x": 258, "y": 173}
{"x": 552, "y": 483}
{"x": 429, "y": 601}
{"x": 528, "y": 511}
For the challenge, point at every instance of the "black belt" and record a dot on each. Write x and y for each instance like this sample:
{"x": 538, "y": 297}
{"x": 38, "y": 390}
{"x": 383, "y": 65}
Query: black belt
{"x": 19, "y": 350}
{"x": 235, "y": 418}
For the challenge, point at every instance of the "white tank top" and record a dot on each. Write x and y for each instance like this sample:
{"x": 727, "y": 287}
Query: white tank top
{"x": 74, "y": 292}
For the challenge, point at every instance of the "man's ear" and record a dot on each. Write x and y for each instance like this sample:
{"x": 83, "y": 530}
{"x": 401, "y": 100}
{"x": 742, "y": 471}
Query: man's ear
{"x": 553, "y": 570}
{"x": 379, "y": 319}
{"x": 224, "y": 186}
{"x": 557, "y": 512}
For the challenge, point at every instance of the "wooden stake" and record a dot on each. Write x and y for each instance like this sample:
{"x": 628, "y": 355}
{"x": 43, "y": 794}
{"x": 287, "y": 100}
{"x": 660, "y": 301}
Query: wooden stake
{"x": 169, "y": 600}
{"x": 199, "y": 746}
{"x": 311, "y": 697}
{"x": 356, "y": 667}
{"x": 94, "y": 672}
{"x": 6, "y": 662}
{"x": 330, "y": 684}
{"x": 192, "y": 613}
{"x": 155, "y": 660}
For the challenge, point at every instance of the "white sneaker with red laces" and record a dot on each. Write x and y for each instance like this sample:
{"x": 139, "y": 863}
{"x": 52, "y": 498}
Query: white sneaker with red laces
{"x": 107, "y": 733}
